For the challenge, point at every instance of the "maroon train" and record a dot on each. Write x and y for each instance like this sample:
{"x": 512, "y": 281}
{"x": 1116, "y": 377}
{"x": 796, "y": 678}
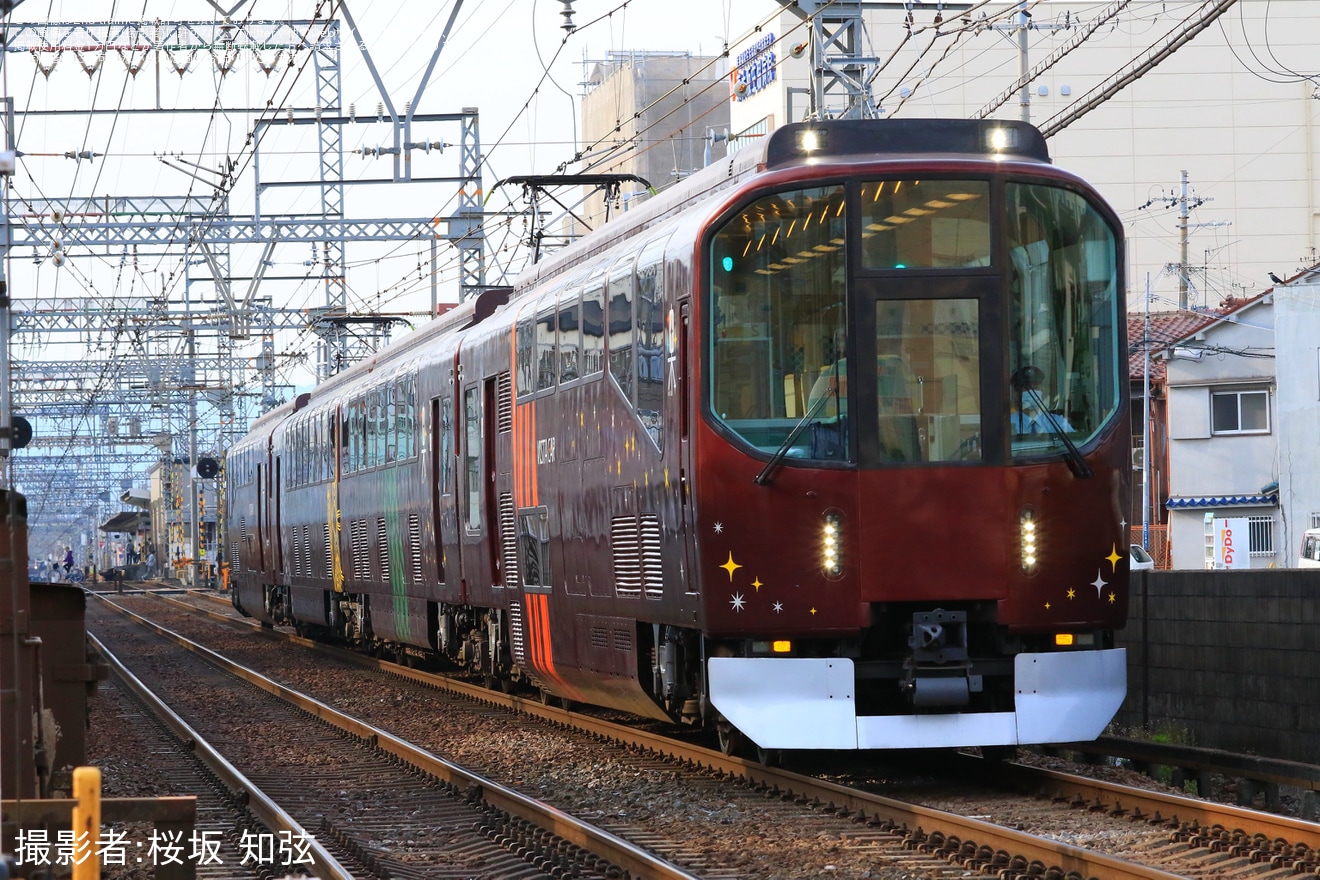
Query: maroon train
{"x": 642, "y": 478}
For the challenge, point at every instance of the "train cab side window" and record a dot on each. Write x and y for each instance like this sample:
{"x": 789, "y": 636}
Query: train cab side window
{"x": 545, "y": 350}
{"x": 593, "y": 328}
{"x": 569, "y": 337}
{"x": 619, "y": 314}
{"x": 778, "y": 324}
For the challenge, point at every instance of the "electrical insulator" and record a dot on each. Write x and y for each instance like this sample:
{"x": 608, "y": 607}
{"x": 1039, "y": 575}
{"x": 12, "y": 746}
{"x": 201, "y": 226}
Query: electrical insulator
{"x": 567, "y": 13}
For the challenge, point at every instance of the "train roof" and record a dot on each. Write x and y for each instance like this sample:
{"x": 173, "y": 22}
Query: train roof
{"x": 808, "y": 143}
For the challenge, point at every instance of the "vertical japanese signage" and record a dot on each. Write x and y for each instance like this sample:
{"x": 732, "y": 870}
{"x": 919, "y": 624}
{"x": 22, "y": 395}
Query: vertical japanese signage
{"x": 1232, "y": 547}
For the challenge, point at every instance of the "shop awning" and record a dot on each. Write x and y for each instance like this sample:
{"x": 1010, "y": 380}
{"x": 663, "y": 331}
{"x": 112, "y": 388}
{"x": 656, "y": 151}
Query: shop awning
{"x": 127, "y": 521}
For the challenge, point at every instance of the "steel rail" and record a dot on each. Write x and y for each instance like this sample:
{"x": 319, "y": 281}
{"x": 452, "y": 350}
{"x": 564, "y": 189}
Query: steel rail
{"x": 616, "y": 850}
{"x": 265, "y": 809}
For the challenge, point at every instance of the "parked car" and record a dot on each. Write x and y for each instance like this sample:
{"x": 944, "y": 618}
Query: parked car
{"x": 1310, "y": 555}
{"x": 1140, "y": 559}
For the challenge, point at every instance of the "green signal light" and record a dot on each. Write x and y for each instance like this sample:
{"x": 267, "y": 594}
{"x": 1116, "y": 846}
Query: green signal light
{"x": 727, "y": 263}
{"x": 900, "y": 265}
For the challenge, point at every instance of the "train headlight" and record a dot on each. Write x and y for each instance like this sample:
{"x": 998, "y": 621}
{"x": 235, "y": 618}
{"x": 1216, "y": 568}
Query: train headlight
{"x": 1030, "y": 536}
{"x": 831, "y": 536}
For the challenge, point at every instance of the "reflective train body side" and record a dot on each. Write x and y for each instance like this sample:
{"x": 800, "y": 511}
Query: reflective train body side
{"x": 647, "y": 478}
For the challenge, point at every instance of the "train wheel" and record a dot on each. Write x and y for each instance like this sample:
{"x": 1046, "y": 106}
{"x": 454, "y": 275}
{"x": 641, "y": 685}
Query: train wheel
{"x": 546, "y": 697}
{"x": 769, "y": 757}
{"x": 730, "y": 738}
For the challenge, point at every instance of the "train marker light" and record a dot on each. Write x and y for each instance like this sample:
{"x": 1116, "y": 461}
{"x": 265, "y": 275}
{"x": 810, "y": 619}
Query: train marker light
{"x": 1029, "y": 540}
{"x": 781, "y": 646}
{"x": 1063, "y": 640}
{"x": 727, "y": 262}
{"x": 830, "y": 545}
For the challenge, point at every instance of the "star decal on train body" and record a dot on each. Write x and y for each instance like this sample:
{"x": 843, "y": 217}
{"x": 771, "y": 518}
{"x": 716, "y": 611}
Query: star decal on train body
{"x": 1099, "y": 583}
{"x": 1072, "y": 594}
{"x": 737, "y": 602}
{"x": 778, "y": 607}
{"x": 719, "y": 528}
{"x": 1113, "y": 558}
{"x": 730, "y": 567}
{"x": 757, "y": 584}
{"x": 1112, "y": 598}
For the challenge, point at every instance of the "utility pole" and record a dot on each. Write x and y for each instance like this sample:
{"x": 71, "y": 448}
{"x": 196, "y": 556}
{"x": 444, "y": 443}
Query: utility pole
{"x": 1182, "y": 244}
{"x": 1145, "y": 429}
{"x": 1024, "y": 67}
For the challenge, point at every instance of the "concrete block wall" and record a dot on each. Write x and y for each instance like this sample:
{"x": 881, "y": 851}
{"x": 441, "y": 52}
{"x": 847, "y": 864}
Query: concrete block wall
{"x": 1232, "y": 657}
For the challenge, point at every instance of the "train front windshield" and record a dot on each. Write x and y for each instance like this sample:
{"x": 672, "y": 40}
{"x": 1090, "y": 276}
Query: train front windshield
{"x": 786, "y": 321}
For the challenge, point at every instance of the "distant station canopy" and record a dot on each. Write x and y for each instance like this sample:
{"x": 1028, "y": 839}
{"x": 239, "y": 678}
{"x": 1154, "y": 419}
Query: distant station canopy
{"x": 126, "y": 521}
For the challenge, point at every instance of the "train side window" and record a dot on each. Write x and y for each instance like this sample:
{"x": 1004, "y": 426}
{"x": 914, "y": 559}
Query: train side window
{"x": 620, "y": 316}
{"x": 446, "y": 446}
{"x": 545, "y": 350}
{"x": 391, "y": 424}
{"x": 534, "y": 546}
{"x": 472, "y": 454}
{"x": 524, "y": 343}
{"x": 408, "y": 419}
{"x": 593, "y": 329}
{"x": 569, "y": 337}
{"x": 649, "y": 341}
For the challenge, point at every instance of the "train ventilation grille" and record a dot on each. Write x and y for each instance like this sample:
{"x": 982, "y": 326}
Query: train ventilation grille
{"x": 508, "y": 541}
{"x": 383, "y": 541}
{"x": 415, "y": 546}
{"x": 297, "y": 551}
{"x": 600, "y": 637}
{"x": 516, "y": 641}
{"x": 307, "y": 551}
{"x": 504, "y": 404}
{"x": 627, "y": 556}
{"x": 329, "y": 560}
{"x": 233, "y": 556}
{"x": 359, "y": 533}
{"x": 652, "y": 568}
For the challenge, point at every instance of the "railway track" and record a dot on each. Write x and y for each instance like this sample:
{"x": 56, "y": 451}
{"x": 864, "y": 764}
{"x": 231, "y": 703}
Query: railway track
{"x": 359, "y": 802}
{"x": 1114, "y": 829}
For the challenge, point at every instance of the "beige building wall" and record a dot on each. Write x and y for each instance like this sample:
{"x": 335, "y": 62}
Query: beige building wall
{"x": 1229, "y": 108}
{"x": 640, "y": 117}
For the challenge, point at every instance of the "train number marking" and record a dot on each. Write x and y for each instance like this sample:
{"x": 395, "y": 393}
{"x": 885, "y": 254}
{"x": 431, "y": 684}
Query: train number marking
{"x": 545, "y": 451}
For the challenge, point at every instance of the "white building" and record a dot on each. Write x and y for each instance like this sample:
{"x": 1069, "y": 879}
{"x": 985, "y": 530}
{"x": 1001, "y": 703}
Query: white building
{"x": 1230, "y": 107}
{"x": 1224, "y": 437}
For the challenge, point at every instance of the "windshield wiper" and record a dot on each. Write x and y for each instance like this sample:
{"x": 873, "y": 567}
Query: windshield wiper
{"x": 1076, "y": 461}
{"x": 772, "y": 465}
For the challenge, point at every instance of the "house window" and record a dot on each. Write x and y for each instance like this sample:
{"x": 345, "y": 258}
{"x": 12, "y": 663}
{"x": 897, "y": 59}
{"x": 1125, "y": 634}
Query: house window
{"x": 1240, "y": 412}
{"x": 1260, "y": 532}
{"x": 1315, "y": 520}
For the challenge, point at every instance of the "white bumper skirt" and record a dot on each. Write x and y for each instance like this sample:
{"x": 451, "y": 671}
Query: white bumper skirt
{"x": 807, "y": 703}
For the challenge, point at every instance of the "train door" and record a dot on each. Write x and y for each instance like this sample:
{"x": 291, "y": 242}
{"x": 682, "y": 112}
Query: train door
{"x": 277, "y": 557}
{"x": 261, "y": 516}
{"x": 442, "y": 480}
{"x": 691, "y": 581}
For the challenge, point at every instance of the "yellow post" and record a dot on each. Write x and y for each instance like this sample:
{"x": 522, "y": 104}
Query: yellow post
{"x": 86, "y": 823}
